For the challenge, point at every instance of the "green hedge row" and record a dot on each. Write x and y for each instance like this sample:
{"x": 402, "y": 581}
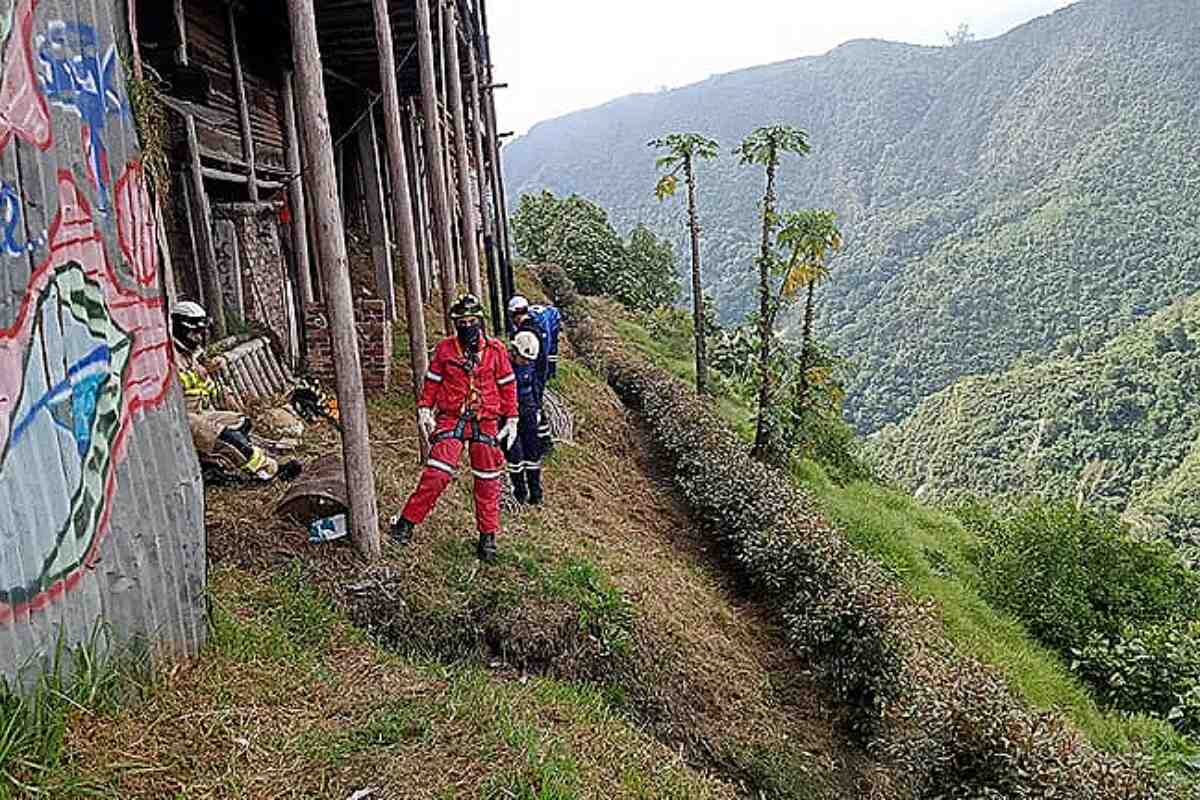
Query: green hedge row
{"x": 940, "y": 725}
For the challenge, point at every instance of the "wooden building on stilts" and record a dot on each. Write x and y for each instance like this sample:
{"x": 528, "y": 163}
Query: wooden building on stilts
{"x": 335, "y": 169}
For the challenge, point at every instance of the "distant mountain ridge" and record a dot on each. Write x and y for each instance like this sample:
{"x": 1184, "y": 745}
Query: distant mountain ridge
{"x": 1022, "y": 197}
{"x": 1118, "y": 429}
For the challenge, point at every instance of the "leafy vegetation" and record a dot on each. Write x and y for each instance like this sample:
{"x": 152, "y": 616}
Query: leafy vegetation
{"x": 1033, "y": 194}
{"x": 1118, "y": 609}
{"x": 1117, "y": 429}
{"x": 945, "y": 725}
{"x": 575, "y": 233}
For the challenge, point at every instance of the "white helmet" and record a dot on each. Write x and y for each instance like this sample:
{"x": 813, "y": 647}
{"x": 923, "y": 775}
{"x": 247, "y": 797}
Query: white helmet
{"x": 527, "y": 345}
{"x": 190, "y": 311}
{"x": 517, "y": 303}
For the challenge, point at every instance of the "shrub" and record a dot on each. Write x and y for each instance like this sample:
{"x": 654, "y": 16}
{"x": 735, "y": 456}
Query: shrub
{"x": 1071, "y": 574}
{"x": 1152, "y": 669}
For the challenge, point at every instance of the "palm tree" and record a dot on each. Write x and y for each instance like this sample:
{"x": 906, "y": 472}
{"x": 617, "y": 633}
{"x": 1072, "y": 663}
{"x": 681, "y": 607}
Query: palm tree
{"x": 765, "y": 147}
{"x": 682, "y": 150}
{"x": 812, "y": 236}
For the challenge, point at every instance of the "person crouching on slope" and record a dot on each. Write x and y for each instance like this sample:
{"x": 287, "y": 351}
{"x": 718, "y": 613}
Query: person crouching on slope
{"x": 469, "y": 400}
{"x": 525, "y": 453}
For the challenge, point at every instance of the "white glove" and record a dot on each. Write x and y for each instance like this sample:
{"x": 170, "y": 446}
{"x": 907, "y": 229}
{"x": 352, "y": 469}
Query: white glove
{"x": 426, "y": 421}
{"x": 508, "y": 434}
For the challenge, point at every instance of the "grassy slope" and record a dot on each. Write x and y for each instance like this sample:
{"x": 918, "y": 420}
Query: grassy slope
{"x": 930, "y": 552}
{"x": 605, "y": 656}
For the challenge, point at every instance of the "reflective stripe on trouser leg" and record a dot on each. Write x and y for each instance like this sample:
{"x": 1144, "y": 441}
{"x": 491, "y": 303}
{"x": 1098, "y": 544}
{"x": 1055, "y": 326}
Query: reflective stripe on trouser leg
{"x": 435, "y": 478}
{"x": 487, "y": 465}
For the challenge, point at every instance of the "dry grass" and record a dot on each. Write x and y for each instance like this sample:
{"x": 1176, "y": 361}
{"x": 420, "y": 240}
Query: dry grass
{"x": 292, "y": 702}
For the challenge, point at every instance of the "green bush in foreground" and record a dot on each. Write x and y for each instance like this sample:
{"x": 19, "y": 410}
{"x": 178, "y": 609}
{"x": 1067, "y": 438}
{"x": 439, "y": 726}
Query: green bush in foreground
{"x": 1154, "y": 669}
{"x": 1068, "y": 573}
{"x": 940, "y": 724}
{"x": 1117, "y": 609}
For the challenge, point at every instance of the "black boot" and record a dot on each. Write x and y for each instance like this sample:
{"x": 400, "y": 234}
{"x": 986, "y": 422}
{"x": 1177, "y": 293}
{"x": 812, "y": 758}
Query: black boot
{"x": 520, "y": 489}
{"x": 534, "y": 476}
{"x": 487, "y": 548}
{"x": 401, "y": 531}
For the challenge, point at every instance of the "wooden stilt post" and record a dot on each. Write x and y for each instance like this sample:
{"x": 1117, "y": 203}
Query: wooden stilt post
{"x": 481, "y": 179}
{"x": 470, "y": 247}
{"x": 379, "y": 227}
{"x": 425, "y": 212}
{"x": 416, "y": 195}
{"x": 239, "y": 87}
{"x": 402, "y": 206}
{"x": 314, "y": 116}
{"x": 434, "y": 158}
{"x": 201, "y": 214}
{"x": 296, "y": 190}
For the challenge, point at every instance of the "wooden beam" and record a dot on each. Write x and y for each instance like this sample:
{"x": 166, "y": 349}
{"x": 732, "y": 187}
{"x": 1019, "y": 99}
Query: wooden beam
{"x": 296, "y": 190}
{"x": 434, "y": 158}
{"x": 481, "y": 178}
{"x": 445, "y": 130}
{"x": 239, "y": 88}
{"x": 378, "y": 225}
{"x": 200, "y": 213}
{"x": 202, "y": 217}
{"x": 422, "y": 213}
{"x": 412, "y": 152}
{"x": 470, "y": 246}
{"x": 356, "y": 444}
{"x": 197, "y": 270}
{"x": 402, "y": 208}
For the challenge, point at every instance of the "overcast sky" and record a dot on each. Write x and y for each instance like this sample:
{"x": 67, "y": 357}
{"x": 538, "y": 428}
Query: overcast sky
{"x": 560, "y": 56}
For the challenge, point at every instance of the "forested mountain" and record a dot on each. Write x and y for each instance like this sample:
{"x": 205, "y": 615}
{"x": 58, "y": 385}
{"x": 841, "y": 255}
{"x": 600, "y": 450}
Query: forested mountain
{"x": 1119, "y": 428}
{"x": 1023, "y": 197}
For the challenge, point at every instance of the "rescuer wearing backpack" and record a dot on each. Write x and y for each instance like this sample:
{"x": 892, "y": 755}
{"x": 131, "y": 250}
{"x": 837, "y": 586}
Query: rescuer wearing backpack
{"x": 525, "y": 453}
{"x": 546, "y": 322}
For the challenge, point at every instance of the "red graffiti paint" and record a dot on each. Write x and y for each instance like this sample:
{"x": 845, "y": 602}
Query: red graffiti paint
{"x": 23, "y": 109}
{"x": 132, "y": 318}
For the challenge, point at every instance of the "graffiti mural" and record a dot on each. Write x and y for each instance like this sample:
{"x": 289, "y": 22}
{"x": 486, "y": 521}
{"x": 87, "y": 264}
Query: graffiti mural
{"x": 76, "y": 75}
{"x": 86, "y": 351}
{"x": 83, "y": 357}
{"x": 13, "y": 241}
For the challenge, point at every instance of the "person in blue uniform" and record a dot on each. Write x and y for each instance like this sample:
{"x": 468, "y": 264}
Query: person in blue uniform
{"x": 525, "y": 453}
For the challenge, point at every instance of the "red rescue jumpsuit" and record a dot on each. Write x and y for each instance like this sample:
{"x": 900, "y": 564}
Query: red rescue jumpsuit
{"x": 468, "y": 400}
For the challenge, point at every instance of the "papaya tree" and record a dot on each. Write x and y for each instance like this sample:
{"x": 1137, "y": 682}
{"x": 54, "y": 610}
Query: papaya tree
{"x": 809, "y": 237}
{"x": 766, "y": 147}
{"x": 681, "y": 152}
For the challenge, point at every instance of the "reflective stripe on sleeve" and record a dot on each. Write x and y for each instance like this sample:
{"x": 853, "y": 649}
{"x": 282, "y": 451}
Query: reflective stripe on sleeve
{"x": 507, "y": 379}
{"x": 433, "y": 376}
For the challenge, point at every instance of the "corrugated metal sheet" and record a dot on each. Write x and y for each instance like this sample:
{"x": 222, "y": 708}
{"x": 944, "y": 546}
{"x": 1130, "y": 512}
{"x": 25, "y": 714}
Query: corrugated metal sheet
{"x": 101, "y": 507}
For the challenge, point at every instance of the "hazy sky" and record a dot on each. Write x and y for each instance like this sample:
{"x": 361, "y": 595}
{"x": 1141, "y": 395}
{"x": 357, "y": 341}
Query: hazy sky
{"x": 564, "y": 55}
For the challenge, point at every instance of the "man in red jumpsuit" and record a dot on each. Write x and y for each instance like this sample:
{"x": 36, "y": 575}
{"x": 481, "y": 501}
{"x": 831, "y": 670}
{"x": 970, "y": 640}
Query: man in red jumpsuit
{"x": 469, "y": 400}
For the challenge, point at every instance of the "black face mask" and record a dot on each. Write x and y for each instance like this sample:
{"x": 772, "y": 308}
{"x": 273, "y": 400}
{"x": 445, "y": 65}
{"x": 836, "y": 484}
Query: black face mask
{"x": 469, "y": 336}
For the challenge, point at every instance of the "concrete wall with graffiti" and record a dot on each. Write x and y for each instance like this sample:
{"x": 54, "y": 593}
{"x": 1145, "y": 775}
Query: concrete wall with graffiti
{"x": 101, "y": 509}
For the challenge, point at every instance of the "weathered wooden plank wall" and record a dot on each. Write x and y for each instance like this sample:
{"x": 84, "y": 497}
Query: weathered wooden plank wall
{"x": 101, "y": 508}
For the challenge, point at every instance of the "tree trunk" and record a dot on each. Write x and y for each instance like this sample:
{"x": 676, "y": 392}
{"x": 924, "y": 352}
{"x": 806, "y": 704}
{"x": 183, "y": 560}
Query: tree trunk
{"x": 806, "y": 346}
{"x": 765, "y": 321}
{"x": 697, "y": 295}
{"x": 339, "y": 303}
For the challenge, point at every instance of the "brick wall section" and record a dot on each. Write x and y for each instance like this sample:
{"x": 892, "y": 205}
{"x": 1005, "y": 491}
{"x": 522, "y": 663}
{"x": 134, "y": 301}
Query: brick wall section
{"x": 374, "y": 345}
